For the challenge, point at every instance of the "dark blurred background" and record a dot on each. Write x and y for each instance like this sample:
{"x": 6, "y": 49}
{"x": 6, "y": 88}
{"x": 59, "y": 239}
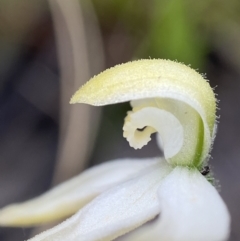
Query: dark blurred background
{"x": 48, "y": 49}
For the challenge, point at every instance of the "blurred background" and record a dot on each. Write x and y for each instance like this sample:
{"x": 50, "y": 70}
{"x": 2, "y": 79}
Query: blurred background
{"x": 48, "y": 49}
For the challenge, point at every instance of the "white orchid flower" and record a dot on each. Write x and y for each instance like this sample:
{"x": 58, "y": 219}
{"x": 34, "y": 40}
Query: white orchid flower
{"x": 176, "y": 102}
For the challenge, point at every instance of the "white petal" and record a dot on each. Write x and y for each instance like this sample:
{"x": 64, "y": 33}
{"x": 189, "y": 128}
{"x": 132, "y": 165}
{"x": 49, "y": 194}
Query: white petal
{"x": 191, "y": 210}
{"x": 115, "y": 212}
{"x": 68, "y": 197}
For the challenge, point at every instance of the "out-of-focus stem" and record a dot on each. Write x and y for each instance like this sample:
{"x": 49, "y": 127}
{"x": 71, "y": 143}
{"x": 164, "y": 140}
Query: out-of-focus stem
{"x": 77, "y": 123}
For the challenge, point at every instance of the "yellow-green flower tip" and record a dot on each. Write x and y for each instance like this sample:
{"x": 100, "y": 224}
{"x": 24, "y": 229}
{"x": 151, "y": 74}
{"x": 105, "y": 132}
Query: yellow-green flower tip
{"x": 145, "y": 79}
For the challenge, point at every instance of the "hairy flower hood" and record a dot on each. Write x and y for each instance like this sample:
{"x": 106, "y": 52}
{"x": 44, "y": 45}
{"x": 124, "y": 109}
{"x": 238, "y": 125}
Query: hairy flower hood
{"x": 184, "y": 95}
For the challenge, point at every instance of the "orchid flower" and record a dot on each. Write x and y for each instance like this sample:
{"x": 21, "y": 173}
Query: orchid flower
{"x": 119, "y": 198}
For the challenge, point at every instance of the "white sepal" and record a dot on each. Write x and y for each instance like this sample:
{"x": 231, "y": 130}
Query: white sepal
{"x": 115, "y": 212}
{"x": 191, "y": 210}
{"x": 68, "y": 197}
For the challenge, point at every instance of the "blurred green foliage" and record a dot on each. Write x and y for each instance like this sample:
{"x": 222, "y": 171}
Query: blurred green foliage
{"x": 173, "y": 29}
{"x": 174, "y": 35}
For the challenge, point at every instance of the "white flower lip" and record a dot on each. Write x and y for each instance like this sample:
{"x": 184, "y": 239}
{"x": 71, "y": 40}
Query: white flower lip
{"x": 158, "y": 120}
